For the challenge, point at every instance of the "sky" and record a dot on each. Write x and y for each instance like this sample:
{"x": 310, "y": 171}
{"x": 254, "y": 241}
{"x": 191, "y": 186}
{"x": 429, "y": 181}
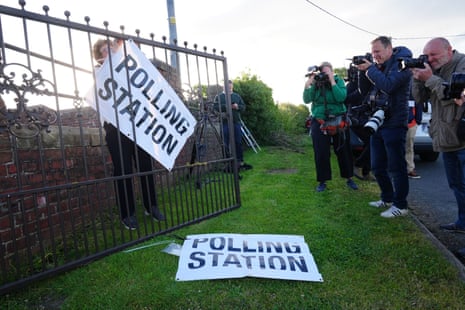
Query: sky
{"x": 276, "y": 40}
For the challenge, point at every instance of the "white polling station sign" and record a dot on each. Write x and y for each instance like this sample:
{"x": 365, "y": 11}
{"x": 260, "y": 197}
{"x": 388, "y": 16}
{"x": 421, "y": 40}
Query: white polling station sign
{"x": 132, "y": 93}
{"x": 222, "y": 255}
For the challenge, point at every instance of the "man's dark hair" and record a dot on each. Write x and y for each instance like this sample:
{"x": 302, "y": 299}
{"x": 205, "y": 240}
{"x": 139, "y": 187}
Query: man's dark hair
{"x": 386, "y": 41}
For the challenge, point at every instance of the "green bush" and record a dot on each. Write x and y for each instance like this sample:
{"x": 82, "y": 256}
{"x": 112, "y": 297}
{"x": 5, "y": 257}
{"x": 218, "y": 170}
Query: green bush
{"x": 269, "y": 123}
{"x": 292, "y": 118}
{"x": 261, "y": 114}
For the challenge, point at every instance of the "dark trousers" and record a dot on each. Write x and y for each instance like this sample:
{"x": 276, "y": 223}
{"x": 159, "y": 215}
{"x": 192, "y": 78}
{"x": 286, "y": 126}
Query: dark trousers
{"x": 363, "y": 160}
{"x": 322, "y": 149}
{"x": 237, "y": 141}
{"x": 124, "y": 160}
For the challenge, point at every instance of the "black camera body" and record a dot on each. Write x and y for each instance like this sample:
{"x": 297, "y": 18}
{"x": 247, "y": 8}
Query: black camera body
{"x": 312, "y": 70}
{"x": 358, "y": 60}
{"x": 321, "y": 79}
{"x": 359, "y": 114}
{"x": 454, "y": 89}
{"x": 352, "y": 74}
{"x": 406, "y": 63}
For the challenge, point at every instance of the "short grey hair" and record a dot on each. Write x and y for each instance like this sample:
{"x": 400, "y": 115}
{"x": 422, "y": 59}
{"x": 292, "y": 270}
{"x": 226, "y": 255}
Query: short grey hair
{"x": 326, "y": 64}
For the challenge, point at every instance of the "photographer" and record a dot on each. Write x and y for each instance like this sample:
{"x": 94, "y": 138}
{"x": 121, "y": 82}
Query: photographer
{"x": 389, "y": 98}
{"x": 359, "y": 112}
{"x": 429, "y": 85}
{"x": 326, "y": 93}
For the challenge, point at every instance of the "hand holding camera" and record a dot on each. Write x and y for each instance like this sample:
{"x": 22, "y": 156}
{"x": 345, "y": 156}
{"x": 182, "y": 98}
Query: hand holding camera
{"x": 409, "y": 63}
{"x": 329, "y": 73}
{"x": 455, "y": 88}
{"x": 362, "y": 62}
{"x": 461, "y": 100}
{"x": 422, "y": 74}
{"x": 321, "y": 76}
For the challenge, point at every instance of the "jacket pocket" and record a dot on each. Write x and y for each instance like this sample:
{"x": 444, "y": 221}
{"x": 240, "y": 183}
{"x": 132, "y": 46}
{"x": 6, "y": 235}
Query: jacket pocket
{"x": 447, "y": 134}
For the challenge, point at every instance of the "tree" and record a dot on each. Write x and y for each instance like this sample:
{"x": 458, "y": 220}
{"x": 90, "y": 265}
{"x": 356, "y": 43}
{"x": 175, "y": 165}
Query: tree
{"x": 293, "y": 118}
{"x": 341, "y": 72}
{"x": 261, "y": 112}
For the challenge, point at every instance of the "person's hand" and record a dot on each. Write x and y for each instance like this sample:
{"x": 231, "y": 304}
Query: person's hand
{"x": 330, "y": 74}
{"x": 422, "y": 74}
{"x": 309, "y": 81}
{"x": 116, "y": 45}
{"x": 365, "y": 65}
{"x": 461, "y": 100}
{"x": 234, "y": 106}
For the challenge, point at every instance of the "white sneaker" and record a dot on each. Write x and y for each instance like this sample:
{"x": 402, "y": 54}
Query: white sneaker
{"x": 393, "y": 211}
{"x": 380, "y": 204}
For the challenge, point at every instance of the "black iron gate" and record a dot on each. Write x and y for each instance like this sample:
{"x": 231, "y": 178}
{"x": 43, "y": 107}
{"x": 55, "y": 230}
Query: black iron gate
{"x": 58, "y": 201}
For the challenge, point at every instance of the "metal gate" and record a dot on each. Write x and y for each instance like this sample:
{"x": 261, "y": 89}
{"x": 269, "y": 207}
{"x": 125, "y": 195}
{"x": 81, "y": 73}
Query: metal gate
{"x": 59, "y": 203}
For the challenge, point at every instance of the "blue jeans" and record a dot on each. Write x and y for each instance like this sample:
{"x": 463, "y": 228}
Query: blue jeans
{"x": 454, "y": 163}
{"x": 389, "y": 166}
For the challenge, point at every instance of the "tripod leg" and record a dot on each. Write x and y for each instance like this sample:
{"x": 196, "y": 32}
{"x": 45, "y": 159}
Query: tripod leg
{"x": 197, "y": 152}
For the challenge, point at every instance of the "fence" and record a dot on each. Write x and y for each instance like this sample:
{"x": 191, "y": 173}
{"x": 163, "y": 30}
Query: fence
{"x": 59, "y": 205}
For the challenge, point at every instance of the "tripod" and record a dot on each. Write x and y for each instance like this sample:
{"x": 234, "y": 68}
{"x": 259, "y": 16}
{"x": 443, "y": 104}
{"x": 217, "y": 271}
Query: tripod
{"x": 201, "y": 143}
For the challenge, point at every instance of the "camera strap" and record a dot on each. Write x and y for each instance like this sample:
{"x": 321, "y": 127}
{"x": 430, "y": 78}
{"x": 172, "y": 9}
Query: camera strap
{"x": 325, "y": 101}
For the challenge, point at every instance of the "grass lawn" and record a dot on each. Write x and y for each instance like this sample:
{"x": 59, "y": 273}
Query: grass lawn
{"x": 367, "y": 262}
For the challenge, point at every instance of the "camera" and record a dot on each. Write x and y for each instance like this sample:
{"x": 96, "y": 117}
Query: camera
{"x": 375, "y": 121}
{"x": 405, "y": 63}
{"x": 352, "y": 74}
{"x": 380, "y": 108}
{"x": 321, "y": 79}
{"x": 455, "y": 88}
{"x": 358, "y": 60}
{"x": 312, "y": 69}
{"x": 359, "y": 114}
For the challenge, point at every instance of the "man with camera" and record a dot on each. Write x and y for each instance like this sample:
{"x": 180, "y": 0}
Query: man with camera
{"x": 431, "y": 83}
{"x": 358, "y": 87}
{"x": 327, "y": 92}
{"x": 388, "y": 124}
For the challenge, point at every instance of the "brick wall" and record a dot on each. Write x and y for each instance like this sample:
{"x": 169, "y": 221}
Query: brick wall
{"x": 71, "y": 152}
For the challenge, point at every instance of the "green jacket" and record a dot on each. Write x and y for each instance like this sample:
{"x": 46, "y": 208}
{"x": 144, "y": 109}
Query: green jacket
{"x": 334, "y": 99}
{"x": 220, "y": 105}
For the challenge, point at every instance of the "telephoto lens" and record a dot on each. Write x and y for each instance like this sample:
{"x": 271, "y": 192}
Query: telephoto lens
{"x": 375, "y": 121}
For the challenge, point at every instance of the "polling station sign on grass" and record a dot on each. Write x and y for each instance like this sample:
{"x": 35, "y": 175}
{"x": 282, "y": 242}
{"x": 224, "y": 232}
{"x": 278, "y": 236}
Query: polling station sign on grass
{"x": 221, "y": 256}
{"x": 131, "y": 94}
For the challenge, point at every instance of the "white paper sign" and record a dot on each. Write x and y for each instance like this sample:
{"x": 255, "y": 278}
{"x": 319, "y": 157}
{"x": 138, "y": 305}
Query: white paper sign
{"x": 135, "y": 95}
{"x": 218, "y": 256}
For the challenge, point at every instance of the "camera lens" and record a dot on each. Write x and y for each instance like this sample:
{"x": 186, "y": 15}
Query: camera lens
{"x": 375, "y": 121}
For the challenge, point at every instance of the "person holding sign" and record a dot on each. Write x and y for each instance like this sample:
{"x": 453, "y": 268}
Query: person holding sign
{"x": 124, "y": 153}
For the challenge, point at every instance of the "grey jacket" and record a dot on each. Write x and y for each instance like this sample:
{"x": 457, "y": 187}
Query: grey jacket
{"x": 445, "y": 114}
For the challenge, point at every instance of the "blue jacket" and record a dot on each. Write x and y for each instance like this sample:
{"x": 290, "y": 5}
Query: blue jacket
{"x": 396, "y": 85}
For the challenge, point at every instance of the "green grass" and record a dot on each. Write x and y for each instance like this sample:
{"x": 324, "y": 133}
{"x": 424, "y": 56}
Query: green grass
{"x": 367, "y": 262}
